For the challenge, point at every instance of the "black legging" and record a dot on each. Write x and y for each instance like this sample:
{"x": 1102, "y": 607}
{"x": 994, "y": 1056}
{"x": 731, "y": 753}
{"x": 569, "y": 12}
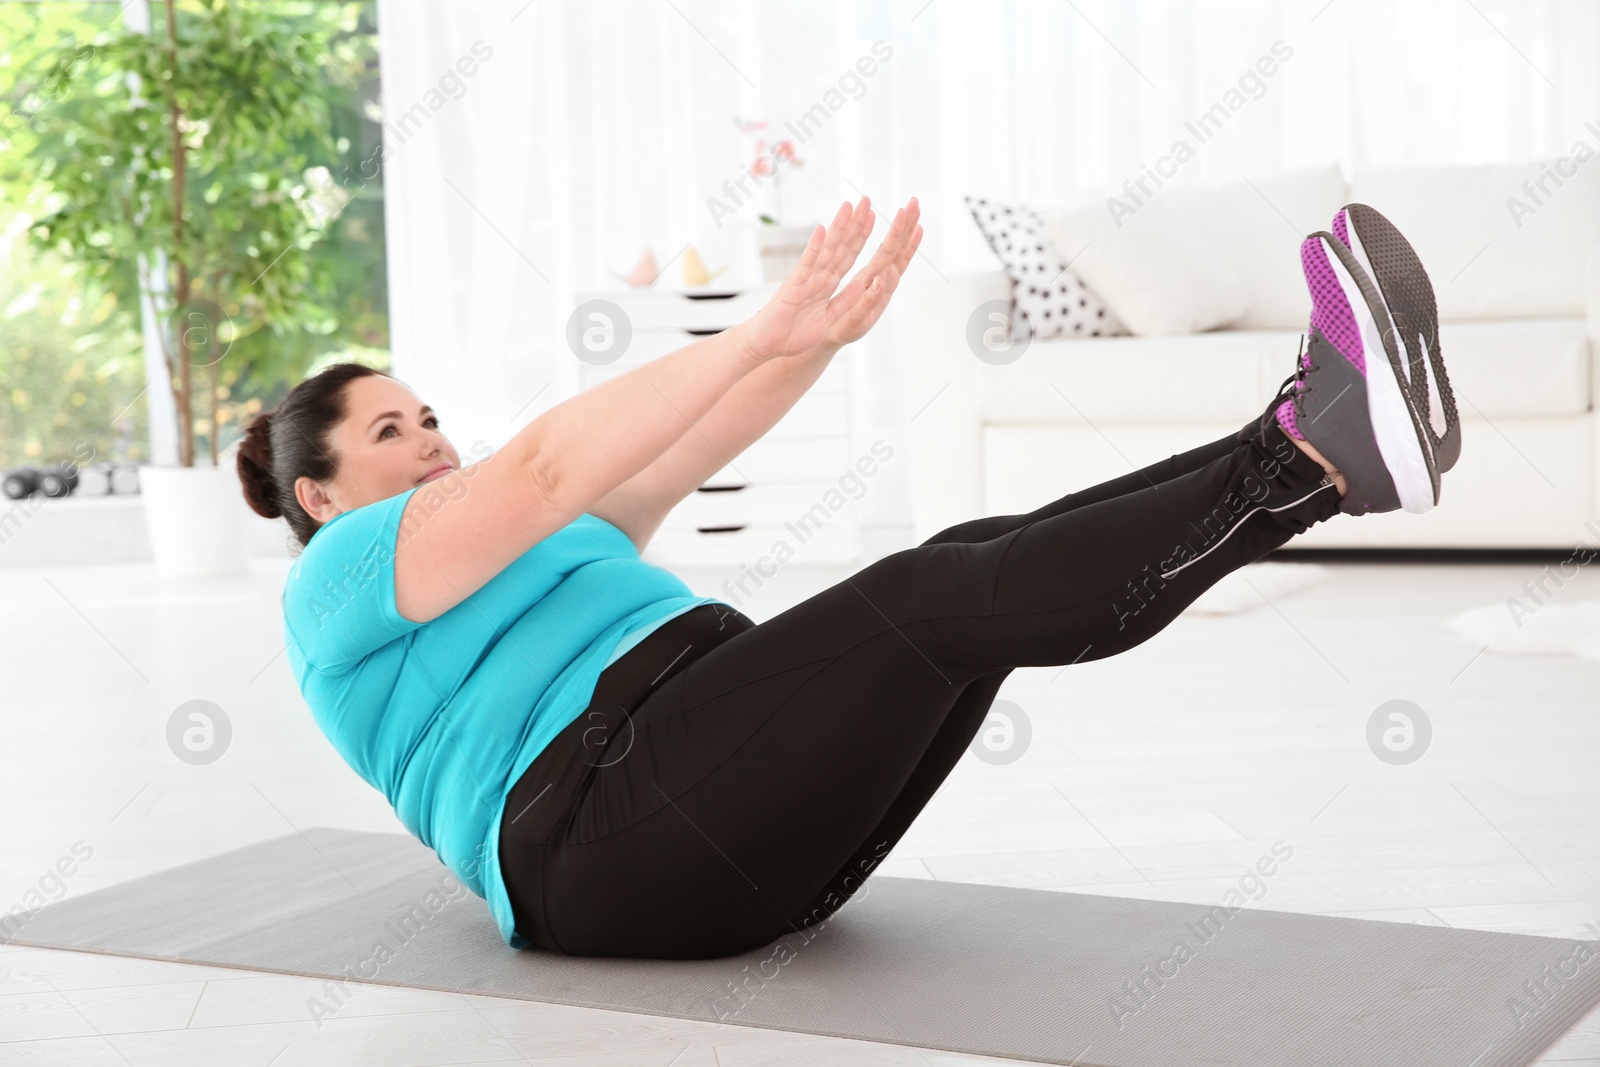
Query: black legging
{"x": 733, "y": 782}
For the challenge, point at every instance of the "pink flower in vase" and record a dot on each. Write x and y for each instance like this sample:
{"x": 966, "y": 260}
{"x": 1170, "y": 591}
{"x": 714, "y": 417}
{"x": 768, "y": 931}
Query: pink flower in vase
{"x": 782, "y": 150}
{"x": 766, "y": 163}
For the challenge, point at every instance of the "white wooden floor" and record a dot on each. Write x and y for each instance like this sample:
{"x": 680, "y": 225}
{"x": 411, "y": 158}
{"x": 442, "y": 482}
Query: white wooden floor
{"x": 1162, "y": 773}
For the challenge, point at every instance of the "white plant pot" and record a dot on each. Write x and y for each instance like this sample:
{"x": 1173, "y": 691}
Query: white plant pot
{"x": 780, "y": 249}
{"x": 196, "y": 520}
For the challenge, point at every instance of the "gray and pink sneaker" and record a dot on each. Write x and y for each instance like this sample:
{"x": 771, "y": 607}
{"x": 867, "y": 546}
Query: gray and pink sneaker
{"x": 1350, "y": 398}
{"x": 1392, "y": 264}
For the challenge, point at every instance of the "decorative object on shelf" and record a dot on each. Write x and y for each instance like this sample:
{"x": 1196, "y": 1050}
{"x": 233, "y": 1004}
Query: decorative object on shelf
{"x": 770, "y": 164}
{"x": 779, "y": 246}
{"x": 694, "y": 271}
{"x": 644, "y": 273}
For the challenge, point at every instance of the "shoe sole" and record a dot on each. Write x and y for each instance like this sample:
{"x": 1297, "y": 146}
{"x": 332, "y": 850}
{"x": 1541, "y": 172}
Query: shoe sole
{"x": 1393, "y": 265}
{"x": 1390, "y": 420}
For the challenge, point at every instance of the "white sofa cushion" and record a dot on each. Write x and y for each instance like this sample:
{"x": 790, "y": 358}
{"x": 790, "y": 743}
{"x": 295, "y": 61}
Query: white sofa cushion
{"x": 1545, "y": 466}
{"x": 1517, "y": 367}
{"x": 1484, "y": 262}
{"x": 1256, "y": 228}
{"x": 1155, "y": 273}
{"x": 1217, "y": 375}
{"x": 1510, "y": 368}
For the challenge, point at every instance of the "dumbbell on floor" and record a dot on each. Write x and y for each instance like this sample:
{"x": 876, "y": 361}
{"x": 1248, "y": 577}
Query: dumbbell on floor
{"x": 65, "y": 478}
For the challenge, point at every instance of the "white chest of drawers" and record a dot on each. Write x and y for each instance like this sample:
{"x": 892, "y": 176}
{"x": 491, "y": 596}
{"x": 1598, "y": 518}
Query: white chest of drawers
{"x": 791, "y": 495}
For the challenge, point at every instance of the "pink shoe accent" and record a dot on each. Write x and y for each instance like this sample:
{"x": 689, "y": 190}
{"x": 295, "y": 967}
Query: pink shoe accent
{"x": 1287, "y": 420}
{"x": 1340, "y": 229}
{"x": 1331, "y": 314}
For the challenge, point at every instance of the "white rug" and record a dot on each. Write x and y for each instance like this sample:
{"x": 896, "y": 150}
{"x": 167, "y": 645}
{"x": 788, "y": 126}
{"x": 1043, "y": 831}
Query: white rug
{"x": 1550, "y": 630}
{"x": 1253, "y": 585}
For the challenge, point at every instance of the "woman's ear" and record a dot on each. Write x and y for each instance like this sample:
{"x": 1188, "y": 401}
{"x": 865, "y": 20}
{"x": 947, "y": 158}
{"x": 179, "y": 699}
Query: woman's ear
{"x": 314, "y": 500}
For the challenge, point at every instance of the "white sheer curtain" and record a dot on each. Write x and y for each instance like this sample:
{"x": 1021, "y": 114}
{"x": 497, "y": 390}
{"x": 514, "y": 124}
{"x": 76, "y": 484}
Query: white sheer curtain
{"x": 600, "y": 127}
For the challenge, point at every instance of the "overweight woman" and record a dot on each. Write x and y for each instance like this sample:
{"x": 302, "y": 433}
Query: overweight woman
{"x": 622, "y": 768}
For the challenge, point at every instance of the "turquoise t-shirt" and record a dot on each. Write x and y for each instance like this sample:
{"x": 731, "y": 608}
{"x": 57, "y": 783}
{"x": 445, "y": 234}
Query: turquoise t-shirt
{"x": 443, "y": 717}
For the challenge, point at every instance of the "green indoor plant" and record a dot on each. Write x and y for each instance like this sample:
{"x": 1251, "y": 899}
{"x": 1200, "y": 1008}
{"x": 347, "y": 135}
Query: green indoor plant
{"x": 187, "y": 155}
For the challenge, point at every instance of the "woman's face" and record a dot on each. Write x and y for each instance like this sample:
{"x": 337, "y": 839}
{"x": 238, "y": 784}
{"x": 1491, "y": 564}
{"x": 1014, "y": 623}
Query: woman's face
{"x": 388, "y": 443}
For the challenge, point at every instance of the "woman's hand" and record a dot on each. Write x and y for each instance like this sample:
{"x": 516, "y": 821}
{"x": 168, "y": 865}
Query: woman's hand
{"x": 804, "y": 312}
{"x": 889, "y": 265}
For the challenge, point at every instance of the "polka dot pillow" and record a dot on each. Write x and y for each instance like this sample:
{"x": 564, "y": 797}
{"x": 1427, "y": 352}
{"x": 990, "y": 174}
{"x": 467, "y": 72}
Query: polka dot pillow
{"x": 1048, "y": 299}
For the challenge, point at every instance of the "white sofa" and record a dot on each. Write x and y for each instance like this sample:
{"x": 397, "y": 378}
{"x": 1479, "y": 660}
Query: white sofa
{"x": 1519, "y": 331}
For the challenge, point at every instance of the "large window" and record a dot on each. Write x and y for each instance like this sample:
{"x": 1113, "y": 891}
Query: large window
{"x": 73, "y": 367}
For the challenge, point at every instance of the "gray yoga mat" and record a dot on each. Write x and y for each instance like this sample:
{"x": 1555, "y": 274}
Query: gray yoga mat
{"x": 1021, "y": 973}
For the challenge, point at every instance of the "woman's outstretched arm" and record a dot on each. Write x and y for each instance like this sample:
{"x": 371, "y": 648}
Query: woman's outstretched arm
{"x": 586, "y": 446}
{"x": 755, "y": 404}
{"x": 560, "y": 464}
{"x": 747, "y": 411}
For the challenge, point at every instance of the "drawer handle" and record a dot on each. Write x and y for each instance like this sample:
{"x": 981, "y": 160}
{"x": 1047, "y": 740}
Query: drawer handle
{"x": 720, "y": 529}
{"x": 721, "y": 488}
{"x": 701, "y": 333}
{"x": 711, "y": 296}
